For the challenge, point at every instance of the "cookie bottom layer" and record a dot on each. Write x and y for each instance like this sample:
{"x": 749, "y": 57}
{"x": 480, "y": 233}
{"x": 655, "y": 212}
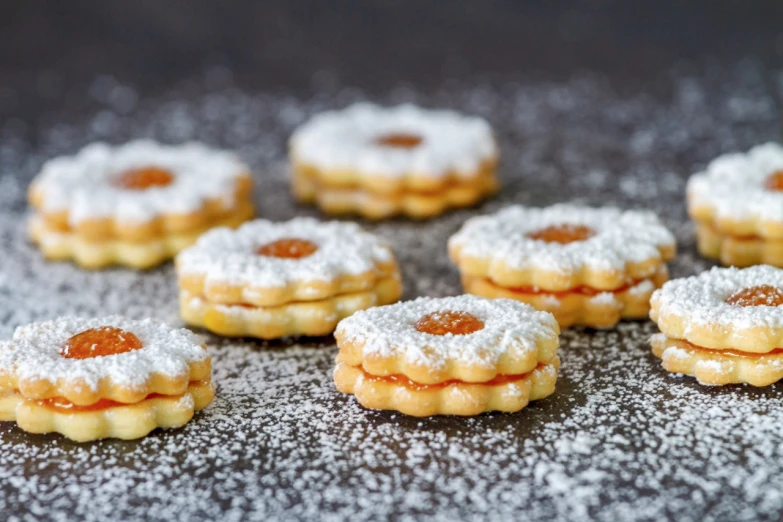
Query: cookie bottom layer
{"x": 593, "y": 308}
{"x": 62, "y": 246}
{"x": 372, "y": 205}
{"x": 717, "y": 367}
{"x": 739, "y": 251}
{"x": 310, "y": 318}
{"x": 508, "y": 394}
{"x": 121, "y": 421}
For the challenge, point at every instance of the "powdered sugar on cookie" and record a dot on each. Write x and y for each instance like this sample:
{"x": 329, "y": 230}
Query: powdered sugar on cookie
{"x": 443, "y": 143}
{"x": 389, "y": 331}
{"x": 618, "y": 238}
{"x": 35, "y": 352}
{"x": 734, "y": 186}
{"x": 230, "y": 256}
{"x": 86, "y": 185}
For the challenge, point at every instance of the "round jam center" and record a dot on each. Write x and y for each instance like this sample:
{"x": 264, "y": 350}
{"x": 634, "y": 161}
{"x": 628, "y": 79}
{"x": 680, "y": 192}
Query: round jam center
{"x": 399, "y": 140}
{"x": 774, "y": 181}
{"x": 288, "y": 248}
{"x": 145, "y": 178}
{"x": 761, "y": 295}
{"x": 562, "y": 234}
{"x": 97, "y": 342}
{"x": 449, "y": 322}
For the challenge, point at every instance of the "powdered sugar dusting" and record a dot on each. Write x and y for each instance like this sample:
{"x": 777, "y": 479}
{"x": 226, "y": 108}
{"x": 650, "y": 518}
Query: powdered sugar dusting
{"x": 229, "y": 256}
{"x": 621, "y": 439}
{"x": 389, "y": 331}
{"x": 344, "y": 140}
{"x": 35, "y": 352}
{"x": 83, "y": 184}
{"x": 620, "y": 237}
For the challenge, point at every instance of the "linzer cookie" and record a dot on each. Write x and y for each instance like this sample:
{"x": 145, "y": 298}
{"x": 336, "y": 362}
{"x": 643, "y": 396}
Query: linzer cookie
{"x": 135, "y": 205}
{"x": 451, "y": 356}
{"x": 587, "y": 266}
{"x": 737, "y": 204}
{"x": 382, "y": 162}
{"x": 292, "y": 278}
{"x": 90, "y": 379}
{"x": 723, "y": 326}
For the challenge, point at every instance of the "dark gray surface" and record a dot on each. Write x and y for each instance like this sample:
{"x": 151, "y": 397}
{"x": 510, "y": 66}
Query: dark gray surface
{"x": 593, "y": 102}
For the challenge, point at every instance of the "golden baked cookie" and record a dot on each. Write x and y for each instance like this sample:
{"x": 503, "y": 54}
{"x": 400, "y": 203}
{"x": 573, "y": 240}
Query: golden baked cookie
{"x": 450, "y": 356}
{"x": 737, "y": 204}
{"x": 90, "y": 379}
{"x": 298, "y": 277}
{"x": 137, "y": 204}
{"x": 382, "y": 162}
{"x": 722, "y": 326}
{"x": 587, "y": 266}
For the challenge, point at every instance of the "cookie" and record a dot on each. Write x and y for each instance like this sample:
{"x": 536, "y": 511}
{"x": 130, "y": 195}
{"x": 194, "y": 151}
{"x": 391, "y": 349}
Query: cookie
{"x": 137, "y": 204}
{"x": 449, "y": 356}
{"x": 96, "y": 378}
{"x": 737, "y": 204}
{"x": 381, "y": 162}
{"x": 298, "y": 277}
{"x": 587, "y": 266}
{"x": 722, "y": 326}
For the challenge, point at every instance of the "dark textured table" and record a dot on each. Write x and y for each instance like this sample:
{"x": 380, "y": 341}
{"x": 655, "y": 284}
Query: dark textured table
{"x": 594, "y": 102}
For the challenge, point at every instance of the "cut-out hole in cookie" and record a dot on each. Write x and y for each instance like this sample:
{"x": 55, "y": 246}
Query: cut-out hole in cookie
{"x": 99, "y": 342}
{"x": 288, "y": 248}
{"x": 144, "y": 178}
{"x": 399, "y": 140}
{"x": 563, "y": 234}
{"x": 449, "y": 322}
{"x": 774, "y": 181}
{"x": 760, "y": 295}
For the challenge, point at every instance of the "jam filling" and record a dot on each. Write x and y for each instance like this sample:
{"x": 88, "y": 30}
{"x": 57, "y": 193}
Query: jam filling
{"x": 732, "y": 353}
{"x": 774, "y": 181}
{"x": 399, "y": 140}
{"x": 562, "y": 234}
{"x": 99, "y": 342}
{"x": 288, "y": 248}
{"x": 144, "y": 178}
{"x": 402, "y": 380}
{"x": 62, "y": 405}
{"x": 760, "y": 295}
{"x": 578, "y": 290}
{"x": 452, "y": 322}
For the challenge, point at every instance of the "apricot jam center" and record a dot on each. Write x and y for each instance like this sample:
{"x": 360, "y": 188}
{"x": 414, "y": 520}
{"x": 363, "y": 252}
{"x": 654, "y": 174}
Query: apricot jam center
{"x": 761, "y": 295}
{"x": 562, "y": 234}
{"x": 774, "y": 181}
{"x": 144, "y": 178}
{"x": 449, "y": 322}
{"x": 288, "y": 248}
{"x": 399, "y": 140}
{"x": 97, "y": 342}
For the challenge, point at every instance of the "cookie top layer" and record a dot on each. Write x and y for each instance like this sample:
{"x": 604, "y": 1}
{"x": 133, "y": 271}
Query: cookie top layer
{"x": 739, "y": 186}
{"x": 724, "y": 308}
{"x": 38, "y": 352}
{"x": 562, "y": 246}
{"x": 242, "y": 256}
{"x": 498, "y": 334}
{"x": 395, "y": 142}
{"x": 91, "y": 185}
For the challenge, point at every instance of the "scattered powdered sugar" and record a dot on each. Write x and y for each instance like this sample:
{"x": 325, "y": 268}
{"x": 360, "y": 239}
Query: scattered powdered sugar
{"x": 84, "y": 184}
{"x": 35, "y": 352}
{"x": 701, "y": 299}
{"x": 620, "y": 439}
{"x": 620, "y": 237}
{"x": 229, "y": 256}
{"x": 451, "y": 143}
{"x": 389, "y": 331}
{"x": 733, "y": 185}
